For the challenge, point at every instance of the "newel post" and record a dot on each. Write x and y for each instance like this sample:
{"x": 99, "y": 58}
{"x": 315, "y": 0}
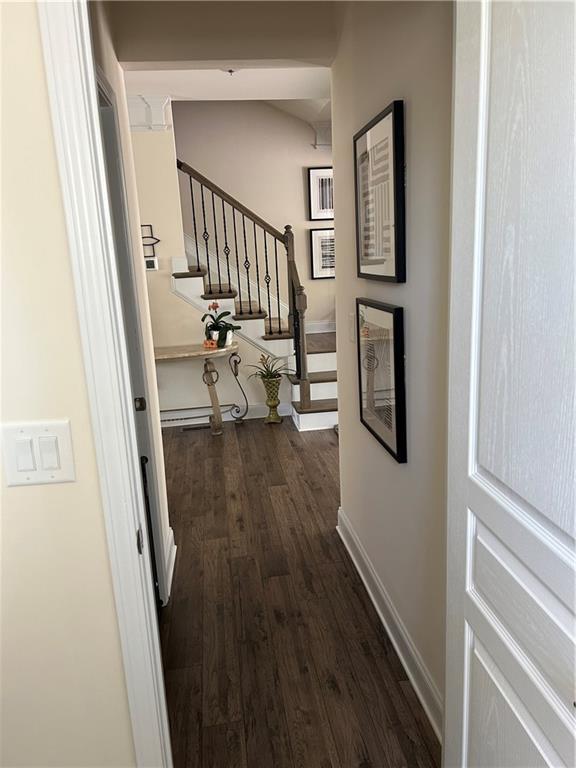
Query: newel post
{"x": 298, "y": 304}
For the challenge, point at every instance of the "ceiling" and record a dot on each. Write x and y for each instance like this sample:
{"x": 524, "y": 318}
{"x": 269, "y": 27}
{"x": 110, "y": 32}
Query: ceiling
{"x": 277, "y": 84}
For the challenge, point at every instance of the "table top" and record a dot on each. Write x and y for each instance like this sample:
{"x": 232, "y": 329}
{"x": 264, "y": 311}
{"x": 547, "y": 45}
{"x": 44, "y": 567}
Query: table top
{"x": 192, "y": 351}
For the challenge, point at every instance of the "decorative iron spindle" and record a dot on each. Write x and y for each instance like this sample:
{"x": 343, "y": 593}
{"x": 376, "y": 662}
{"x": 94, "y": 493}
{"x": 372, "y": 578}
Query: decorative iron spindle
{"x": 237, "y": 262}
{"x": 247, "y": 264}
{"x": 216, "y": 241}
{"x": 226, "y": 247}
{"x": 194, "y": 223}
{"x": 206, "y": 237}
{"x": 257, "y": 267}
{"x": 267, "y": 280}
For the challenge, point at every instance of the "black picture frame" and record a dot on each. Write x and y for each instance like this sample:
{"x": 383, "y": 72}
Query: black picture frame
{"x": 392, "y": 408}
{"x": 395, "y": 112}
{"x": 315, "y": 273}
{"x": 313, "y": 210}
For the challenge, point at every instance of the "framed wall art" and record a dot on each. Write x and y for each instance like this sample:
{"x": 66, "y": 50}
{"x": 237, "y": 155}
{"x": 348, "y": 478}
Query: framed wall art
{"x": 320, "y": 194}
{"x": 322, "y": 254}
{"x": 380, "y": 341}
{"x": 379, "y": 188}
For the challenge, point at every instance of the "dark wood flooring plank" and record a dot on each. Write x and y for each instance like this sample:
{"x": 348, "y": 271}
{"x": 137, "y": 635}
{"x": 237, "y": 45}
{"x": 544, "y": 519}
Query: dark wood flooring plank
{"x": 269, "y": 549}
{"x": 310, "y": 733}
{"x": 359, "y": 743}
{"x": 298, "y": 548}
{"x": 214, "y": 499}
{"x": 223, "y": 746}
{"x": 369, "y": 657}
{"x": 265, "y": 726}
{"x": 184, "y": 694}
{"x": 183, "y": 634}
{"x": 221, "y": 685}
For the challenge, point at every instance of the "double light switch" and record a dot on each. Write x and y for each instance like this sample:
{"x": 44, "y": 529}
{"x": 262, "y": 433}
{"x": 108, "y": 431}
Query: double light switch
{"x": 38, "y": 452}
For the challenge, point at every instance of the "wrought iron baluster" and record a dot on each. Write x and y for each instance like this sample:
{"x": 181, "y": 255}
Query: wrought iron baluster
{"x": 226, "y": 246}
{"x": 277, "y": 285}
{"x": 257, "y": 267}
{"x": 216, "y": 241}
{"x": 247, "y": 264}
{"x": 191, "y": 180}
{"x": 267, "y": 280}
{"x": 206, "y": 237}
{"x": 237, "y": 262}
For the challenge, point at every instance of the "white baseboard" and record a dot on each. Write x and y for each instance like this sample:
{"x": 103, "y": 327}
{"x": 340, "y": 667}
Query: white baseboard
{"x": 197, "y": 417}
{"x": 169, "y": 559}
{"x": 417, "y": 672}
{"x": 320, "y": 326}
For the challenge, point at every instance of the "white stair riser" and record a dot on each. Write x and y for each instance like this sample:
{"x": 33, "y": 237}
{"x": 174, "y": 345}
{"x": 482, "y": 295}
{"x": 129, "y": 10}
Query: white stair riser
{"x": 320, "y": 391}
{"x": 306, "y": 422}
{"x": 322, "y": 361}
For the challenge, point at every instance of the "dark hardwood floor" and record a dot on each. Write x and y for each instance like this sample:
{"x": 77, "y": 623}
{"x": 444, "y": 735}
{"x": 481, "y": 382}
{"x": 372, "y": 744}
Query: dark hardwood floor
{"x": 274, "y": 655}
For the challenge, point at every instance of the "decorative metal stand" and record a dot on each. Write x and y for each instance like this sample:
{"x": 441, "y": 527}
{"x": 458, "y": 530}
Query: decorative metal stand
{"x": 238, "y": 414}
{"x": 210, "y": 377}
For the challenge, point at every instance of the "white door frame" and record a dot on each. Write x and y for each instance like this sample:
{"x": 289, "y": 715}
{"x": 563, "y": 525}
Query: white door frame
{"x": 74, "y": 105}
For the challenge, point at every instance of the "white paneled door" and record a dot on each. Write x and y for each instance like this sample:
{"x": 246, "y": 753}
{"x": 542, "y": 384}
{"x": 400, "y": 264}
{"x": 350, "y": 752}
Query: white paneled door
{"x": 510, "y": 685}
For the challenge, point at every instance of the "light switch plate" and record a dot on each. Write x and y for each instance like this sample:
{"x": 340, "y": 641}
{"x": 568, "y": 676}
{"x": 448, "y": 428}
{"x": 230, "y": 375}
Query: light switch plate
{"x": 38, "y": 452}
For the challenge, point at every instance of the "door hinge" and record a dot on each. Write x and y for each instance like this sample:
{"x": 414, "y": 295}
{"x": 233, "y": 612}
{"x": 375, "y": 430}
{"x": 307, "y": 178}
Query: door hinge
{"x": 140, "y": 403}
{"x": 139, "y": 541}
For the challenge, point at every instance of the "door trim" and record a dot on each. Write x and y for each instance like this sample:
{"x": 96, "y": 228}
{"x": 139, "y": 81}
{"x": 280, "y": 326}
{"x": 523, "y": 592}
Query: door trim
{"x": 72, "y": 91}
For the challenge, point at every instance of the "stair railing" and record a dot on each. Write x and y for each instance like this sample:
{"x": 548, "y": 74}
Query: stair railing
{"x": 246, "y": 246}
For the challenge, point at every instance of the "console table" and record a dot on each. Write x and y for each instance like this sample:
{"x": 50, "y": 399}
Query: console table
{"x": 210, "y": 375}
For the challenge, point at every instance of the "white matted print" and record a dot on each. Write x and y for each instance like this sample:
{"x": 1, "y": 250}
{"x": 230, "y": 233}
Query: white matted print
{"x": 379, "y": 177}
{"x": 321, "y": 193}
{"x": 322, "y": 254}
{"x": 380, "y": 342}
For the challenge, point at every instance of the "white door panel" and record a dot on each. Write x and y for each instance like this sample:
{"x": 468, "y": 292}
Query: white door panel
{"x": 511, "y": 495}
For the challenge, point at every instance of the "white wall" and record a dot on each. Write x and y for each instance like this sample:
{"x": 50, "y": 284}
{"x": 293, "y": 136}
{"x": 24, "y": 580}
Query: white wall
{"x": 259, "y": 155}
{"x": 399, "y": 51}
{"x": 63, "y": 692}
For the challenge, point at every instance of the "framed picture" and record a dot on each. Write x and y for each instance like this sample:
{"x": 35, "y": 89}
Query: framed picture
{"x": 322, "y": 253}
{"x": 320, "y": 194}
{"x": 379, "y": 187}
{"x": 380, "y": 341}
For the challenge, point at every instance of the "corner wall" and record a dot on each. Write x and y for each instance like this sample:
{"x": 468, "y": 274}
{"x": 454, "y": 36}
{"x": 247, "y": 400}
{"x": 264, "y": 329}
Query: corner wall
{"x": 396, "y": 513}
{"x": 64, "y": 697}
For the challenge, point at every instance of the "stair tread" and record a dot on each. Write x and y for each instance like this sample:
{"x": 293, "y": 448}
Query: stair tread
{"x": 254, "y": 315}
{"x": 316, "y": 406}
{"x": 219, "y": 295}
{"x": 316, "y": 377}
{"x": 317, "y": 343}
{"x": 272, "y": 336}
{"x": 190, "y": 273}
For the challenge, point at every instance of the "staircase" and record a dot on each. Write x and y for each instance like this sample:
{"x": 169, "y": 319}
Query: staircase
{"x": 237, "y": 258}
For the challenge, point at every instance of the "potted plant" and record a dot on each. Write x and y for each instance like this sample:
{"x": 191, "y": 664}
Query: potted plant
{"x": 270, "y": 371}
{"x": 218, "y": 329}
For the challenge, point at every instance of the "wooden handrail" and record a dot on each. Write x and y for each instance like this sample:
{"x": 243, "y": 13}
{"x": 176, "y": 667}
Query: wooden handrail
{"x": 185, "y": 168}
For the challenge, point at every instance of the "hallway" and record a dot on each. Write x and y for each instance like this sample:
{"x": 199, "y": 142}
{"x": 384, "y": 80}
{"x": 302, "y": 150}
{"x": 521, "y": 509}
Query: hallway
{"x": 274, "y": 656}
